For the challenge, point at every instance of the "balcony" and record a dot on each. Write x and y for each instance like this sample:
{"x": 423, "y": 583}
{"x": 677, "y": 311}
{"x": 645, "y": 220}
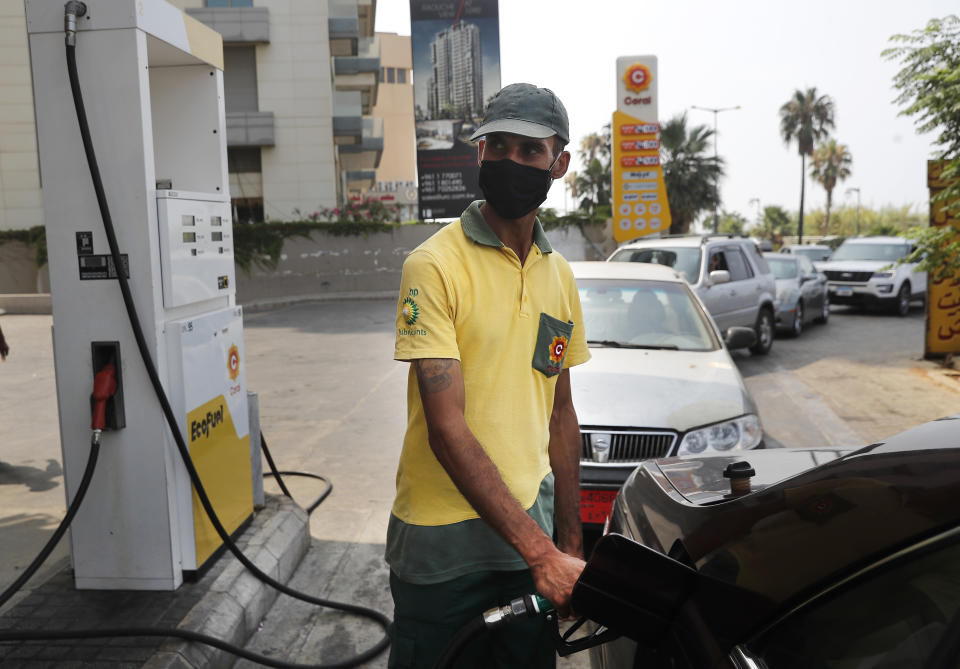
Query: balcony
{"x": 250, "y": 128}
{"x": 347, "y": 117}
{"x": 358, "y": 179}
{"x": 237, "y": 25}
{"x": 344, "y": 27}
{"x": 361, "y": 72}
{"x": 367, "y": 152}
{"x": 367, "y": 12}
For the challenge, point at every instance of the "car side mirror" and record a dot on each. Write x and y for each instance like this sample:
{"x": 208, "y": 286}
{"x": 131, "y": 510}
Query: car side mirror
{"x": 808, "y": 277}
{"x": 719, "y": 276}
{"x": 740, "y": 337}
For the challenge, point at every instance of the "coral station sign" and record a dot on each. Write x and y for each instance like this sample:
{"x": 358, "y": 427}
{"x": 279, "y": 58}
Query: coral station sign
{"x": 639, "y": 193}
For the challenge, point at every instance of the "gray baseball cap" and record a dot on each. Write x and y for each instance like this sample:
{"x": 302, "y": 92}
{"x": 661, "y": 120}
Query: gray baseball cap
{"x": 524, "y": 109}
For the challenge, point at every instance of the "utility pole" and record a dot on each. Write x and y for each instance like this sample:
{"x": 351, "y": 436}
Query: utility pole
{"x": 756, "y": 201}
{"x": 857, "y": 189}
{"x": 716, "y": 181}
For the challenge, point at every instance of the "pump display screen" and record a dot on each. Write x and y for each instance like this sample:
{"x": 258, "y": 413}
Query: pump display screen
{"x": 216, "y": 221}
{"x": 216, "y": 236}
{"x": 187, "y": 219}
{"x": 189, "y": 236}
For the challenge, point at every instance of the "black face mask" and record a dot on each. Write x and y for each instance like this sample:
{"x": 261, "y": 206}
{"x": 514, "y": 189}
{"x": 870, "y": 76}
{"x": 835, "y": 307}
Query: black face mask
{"x": 512, "y": 189}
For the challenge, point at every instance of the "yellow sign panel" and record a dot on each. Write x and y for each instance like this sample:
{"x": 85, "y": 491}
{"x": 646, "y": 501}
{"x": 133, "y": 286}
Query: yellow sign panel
{"x": 639, "y": 192}
{"x": 943, "y": 297}
{"x": 222, "y": 460}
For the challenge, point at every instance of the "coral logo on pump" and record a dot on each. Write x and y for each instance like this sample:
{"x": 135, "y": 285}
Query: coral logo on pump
{"x": 637, "y": 78}
{"x": 557, "y": 348}
{"x": 233, "y": 362}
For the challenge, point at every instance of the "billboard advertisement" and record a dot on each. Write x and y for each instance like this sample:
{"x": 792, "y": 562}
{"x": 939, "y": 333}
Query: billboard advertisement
{"x": 456, "y": 69}
{"x": 639, "y": 193}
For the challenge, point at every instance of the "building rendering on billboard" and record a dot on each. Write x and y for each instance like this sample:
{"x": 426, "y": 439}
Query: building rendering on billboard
{"x": 456, "y": 65}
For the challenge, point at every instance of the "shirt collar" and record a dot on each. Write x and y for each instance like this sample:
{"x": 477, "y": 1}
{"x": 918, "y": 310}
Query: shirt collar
{"x": 475, "y": 227}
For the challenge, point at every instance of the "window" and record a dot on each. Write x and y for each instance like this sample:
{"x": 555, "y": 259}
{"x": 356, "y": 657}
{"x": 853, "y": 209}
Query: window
{"x": 243, "y": 159}
{"x": 806, "y": 267}
{"x": 382, "y": 71}
{"x": 240, "y": 79}
{"x": 737, "y": 265}
{"x": 401, "y": 75}
{"x": 897, "y": 617}
{"x": 683, "y": 259}
{"x": 391, "y": 75}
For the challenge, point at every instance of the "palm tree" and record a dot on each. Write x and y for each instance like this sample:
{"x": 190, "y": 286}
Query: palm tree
{"x": 593, "y": 181}
{"x": 807, "y": 118}
{"x": 831, "y": 163}
{"x": 689, "y": 171}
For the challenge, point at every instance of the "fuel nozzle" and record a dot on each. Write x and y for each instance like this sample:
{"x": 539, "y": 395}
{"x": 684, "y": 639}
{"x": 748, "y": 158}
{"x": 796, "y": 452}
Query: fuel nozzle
{"x": 104, "y": 386}
{"x": 71, "y": 12}
{"x": 528, "y": 606}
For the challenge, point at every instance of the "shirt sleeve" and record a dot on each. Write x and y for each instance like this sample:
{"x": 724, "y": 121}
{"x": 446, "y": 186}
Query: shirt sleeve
{"x": 578, "y": 352}
{"x": 425, "y": 311}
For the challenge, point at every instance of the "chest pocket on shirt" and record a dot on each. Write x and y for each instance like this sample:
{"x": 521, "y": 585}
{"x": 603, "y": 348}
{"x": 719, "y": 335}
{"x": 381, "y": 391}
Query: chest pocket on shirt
{"x": 553, "y": 338}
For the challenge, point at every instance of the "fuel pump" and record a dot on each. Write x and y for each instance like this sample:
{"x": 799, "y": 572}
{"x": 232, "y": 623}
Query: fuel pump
{"x": 154, "y": 95}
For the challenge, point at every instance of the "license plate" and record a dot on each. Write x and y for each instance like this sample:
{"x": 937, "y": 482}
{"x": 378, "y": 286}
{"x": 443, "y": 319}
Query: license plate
{"x": 595, "y": 505}
{"x": 844, "y": 290}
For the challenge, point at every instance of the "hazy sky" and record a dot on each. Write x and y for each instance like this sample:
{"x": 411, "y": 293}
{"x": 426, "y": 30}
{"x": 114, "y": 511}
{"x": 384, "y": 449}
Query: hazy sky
{"x": 752, "y": 53}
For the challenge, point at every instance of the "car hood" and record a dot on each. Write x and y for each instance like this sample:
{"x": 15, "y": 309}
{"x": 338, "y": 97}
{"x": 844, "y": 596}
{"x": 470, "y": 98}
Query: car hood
{"x": 786, "y": 286}
{"x": 676, "y": 390}
{"x": 853, "y": 265}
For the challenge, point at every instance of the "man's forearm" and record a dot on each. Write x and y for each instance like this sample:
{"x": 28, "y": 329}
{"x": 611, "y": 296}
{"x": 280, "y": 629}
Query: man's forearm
{"x": 565, "y": 462}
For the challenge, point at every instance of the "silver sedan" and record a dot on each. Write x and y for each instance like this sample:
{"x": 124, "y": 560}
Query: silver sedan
{"x": 802, "y": 295}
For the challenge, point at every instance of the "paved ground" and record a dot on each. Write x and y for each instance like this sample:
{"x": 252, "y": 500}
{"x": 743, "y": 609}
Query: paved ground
{"x": 332, "y": 402}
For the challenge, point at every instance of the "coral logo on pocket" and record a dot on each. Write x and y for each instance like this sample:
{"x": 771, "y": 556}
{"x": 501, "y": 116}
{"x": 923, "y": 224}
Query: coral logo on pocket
{"x": 557, "y": 348}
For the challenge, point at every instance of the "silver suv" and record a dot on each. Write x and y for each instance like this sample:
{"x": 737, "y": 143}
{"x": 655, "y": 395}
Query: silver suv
{"x": 729, "y": 274}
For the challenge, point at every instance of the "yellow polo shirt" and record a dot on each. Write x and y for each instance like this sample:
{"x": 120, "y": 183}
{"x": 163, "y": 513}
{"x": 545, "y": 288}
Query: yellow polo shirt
{"x": 513, "y": 327}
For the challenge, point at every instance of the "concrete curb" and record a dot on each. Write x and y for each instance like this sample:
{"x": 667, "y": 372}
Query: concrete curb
{"x": 237, "y": 601}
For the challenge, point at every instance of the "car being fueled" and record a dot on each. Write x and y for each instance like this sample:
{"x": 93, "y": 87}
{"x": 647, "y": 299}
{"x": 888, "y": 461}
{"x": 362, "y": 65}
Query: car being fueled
{"x": 785, "y": 559}
{"x": 660, "y": 381}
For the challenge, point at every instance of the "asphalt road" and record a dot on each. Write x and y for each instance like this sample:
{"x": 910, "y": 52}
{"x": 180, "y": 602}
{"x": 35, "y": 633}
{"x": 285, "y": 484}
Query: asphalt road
{"x": 333, "y": 402}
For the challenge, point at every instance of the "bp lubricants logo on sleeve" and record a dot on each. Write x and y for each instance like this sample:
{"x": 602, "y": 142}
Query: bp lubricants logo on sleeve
{"x": 409, "y": 313}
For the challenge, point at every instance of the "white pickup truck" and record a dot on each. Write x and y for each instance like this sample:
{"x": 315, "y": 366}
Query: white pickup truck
{"x": 863, "y": 271}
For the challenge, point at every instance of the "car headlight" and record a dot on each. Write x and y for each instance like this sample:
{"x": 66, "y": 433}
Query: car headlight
{"x": 882, "y": 275}
{"x": 731, "y": 435}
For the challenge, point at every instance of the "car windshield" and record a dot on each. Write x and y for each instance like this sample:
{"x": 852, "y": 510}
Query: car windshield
{"x": 624, "y": 313}
{"x": 888, "y": 252}
{"x": 686, "y": 260}
{"x": 813, "y": 254}
{"x": 783, "y": 268}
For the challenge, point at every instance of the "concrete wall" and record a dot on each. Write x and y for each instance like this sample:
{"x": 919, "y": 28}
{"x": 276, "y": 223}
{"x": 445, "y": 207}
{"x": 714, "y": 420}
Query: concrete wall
{"x": 328, "y": 266}
{"x": 323, "y": 266}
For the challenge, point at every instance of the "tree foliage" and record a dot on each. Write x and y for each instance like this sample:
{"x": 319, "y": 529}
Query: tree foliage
{"x": 775, "y": 225}
{"x": 689, "y": 171}
{"x": 732, "y": 223}
{"x": 807, "y": 118}
{"x": 831, "y": 163}
{"x": 590, "y": 187}
{"x": 929, "y": 87}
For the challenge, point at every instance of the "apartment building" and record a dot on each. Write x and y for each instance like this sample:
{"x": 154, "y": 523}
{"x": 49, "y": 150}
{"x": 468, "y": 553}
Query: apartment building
{"x": 396, "y": 178}
{"x": 301, "y": 79}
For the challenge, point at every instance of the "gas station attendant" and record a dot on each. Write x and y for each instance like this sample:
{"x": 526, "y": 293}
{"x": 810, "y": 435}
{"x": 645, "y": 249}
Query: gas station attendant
{"x": 489, "y": 318}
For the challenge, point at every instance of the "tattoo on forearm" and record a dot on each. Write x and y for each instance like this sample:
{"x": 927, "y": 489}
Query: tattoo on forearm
{"x": 434, "y": 375}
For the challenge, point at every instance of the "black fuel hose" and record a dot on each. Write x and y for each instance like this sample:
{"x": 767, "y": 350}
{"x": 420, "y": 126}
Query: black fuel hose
{"x": 278, "y": 475}
{"x": 459, "y": 641}
{"x": 62, "y": 527}
{"x": 378, "y": 617}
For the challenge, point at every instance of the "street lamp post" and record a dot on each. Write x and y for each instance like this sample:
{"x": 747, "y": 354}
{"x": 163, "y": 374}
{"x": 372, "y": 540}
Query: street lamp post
{"x": 716, "y": 181}
{"x": 857, "y": 189}
{"x": 756, "y": 201}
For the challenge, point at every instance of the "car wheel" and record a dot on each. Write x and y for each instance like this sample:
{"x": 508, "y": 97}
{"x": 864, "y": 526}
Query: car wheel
{"x": 764, "y": 329}
{"x": 903, "y": 300}
{"x": 825, "y": 313}
{"x": 798, "y": 321}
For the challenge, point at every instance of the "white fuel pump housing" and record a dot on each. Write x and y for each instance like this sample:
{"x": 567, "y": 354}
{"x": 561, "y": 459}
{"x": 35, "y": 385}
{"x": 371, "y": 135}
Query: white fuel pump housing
{"x": 152, "y": 83}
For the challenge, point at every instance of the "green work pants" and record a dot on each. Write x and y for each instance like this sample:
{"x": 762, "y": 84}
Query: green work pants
{"x": 426, "y": 617}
